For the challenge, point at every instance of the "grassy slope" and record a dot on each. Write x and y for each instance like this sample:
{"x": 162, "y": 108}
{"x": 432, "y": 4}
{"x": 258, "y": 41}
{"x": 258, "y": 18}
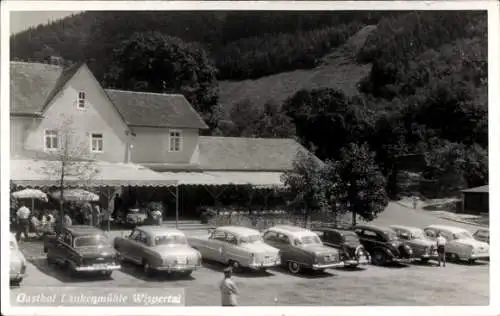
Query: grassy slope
{"x": 337, "y": 70}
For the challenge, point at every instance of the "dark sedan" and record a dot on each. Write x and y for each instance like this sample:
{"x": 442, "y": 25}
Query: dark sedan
{"x": 383, "y": 244}
{"x": 81, "y": 248}
{"x": 351, "y": 250}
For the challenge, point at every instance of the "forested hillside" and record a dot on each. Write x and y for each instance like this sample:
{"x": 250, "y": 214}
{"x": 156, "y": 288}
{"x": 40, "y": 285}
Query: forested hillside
{"x": 402, "y": 82}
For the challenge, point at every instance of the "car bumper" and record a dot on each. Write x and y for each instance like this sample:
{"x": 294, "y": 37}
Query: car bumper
{"x": 177, "y": 268}
{"x": 327, "y": 265}
{"x": 258, "y": 266}
{"x": 353, "y": 263}
{"x": 429, "y": 256}
{"x": 482, "y": 256}
{"x": 111, "y": 267}
{"x": 404, "y": 260}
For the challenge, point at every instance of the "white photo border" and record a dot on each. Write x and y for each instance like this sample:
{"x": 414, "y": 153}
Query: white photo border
{"x": 494, "y": 141}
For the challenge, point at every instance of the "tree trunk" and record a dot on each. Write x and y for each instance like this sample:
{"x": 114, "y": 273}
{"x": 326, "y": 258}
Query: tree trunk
{"x": 353, "y": 217}
{"x": 306, "y": 215}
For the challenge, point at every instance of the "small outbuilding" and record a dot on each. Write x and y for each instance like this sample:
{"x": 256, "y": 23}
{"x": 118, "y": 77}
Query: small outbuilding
{"x": 476, "y": 200}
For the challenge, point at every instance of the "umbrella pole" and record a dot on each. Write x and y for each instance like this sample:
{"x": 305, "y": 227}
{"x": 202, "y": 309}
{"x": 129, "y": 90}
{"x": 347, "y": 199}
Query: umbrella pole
{"x": 32, "y": 205}
{"x": 177, "y": 206}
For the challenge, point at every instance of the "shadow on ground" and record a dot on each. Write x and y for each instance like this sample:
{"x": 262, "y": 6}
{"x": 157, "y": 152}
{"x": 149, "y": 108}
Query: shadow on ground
{"x": 159, "y": 276}
{"x": 243, "y": 273}
{"x": 64, "y": 275}
{"x": 308, "y": 273}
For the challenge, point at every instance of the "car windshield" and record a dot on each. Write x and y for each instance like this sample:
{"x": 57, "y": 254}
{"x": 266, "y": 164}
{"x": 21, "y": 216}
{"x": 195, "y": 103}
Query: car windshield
{"x": 462, "y": 235}
{"x": 308, "y": 240}
{"x": 391, "y": 235}
{"x": 418, "y": 234}
{"x": 91, "y": 241}
{"x": 351, "y": 238}
{"x": 170, "y": 240}
{"x": 250, "y": 239}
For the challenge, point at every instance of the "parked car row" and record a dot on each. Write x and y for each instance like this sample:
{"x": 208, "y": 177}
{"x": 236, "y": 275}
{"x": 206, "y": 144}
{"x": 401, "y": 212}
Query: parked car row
{"x": 87, "y": 249}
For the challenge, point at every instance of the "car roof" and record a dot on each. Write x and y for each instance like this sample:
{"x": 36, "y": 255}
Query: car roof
{"x": 408, "y": 228}
{"x": 289, "y": 229}
{"x": 155, "y": 230}
{"x": 451, "y": 229}
{"x": 340, "y": 231}
{"x": 238, "y": 230}
{"x": 373, "y": 227}
{"x": 83, "y": 230}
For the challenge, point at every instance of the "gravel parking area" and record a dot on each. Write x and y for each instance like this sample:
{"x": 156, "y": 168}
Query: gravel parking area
{"x": 416, "y": 284}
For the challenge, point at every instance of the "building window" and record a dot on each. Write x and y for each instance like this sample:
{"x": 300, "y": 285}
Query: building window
{"x": 96, "y": 143}
{"x": 51, "y": 140}
{"x": 175, "y": 141}
{"x": 81, "y": 100}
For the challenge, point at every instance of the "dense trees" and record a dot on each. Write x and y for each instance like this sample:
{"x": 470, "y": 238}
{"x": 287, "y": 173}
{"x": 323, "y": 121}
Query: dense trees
{"x": 426, "y": 93}
{"x": 153, "y": 62}
{"x": 350, "y": 184}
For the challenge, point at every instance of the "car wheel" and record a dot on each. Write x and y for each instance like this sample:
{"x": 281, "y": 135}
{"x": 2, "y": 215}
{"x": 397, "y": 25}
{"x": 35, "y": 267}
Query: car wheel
{"x": 107, "y": 273}
{"x": 235, "y": 265}
{"x": 185, "y": 274}
{"x": 471, "y": 261}
{"x": 294, "y": 267}
{"x": 146, "y": 267}
{"x": 424, "y": 260}
{"x": 378, "y": 258}
{"x": 453, "y": 257}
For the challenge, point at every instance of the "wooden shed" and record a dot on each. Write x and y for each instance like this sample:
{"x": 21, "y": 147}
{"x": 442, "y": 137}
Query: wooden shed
{"x": 476, "y": 200}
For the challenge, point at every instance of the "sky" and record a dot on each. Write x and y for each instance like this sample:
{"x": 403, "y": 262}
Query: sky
{"x": 21, "y": 20}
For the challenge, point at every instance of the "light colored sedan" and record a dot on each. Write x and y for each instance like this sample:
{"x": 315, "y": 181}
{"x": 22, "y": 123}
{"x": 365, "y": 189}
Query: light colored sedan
{"x": 17, "y": 263}
{"x": 156, "y": 248}
{"x": 238, "y": 247}
{"x": 461, "y": 244}
{"x": 423, "y": 247}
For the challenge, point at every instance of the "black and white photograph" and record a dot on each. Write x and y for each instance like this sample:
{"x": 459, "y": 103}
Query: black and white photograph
{"x": 322, "y": 157}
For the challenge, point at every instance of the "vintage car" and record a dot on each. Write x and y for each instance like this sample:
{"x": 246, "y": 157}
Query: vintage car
{"x": 239, "y": 247}
{"x": 352, "y": 252}
{"x": 17, "y": 263}
{"x": 81, "y": 249}
{"x": 383, "y": 244}
{"x": 483, "y": 235}
{"x": 423, "y": 247}
{"x": 461, "y": 245}
{"x": 301, "y": 249}
{"x": 135, "y": 217}
{"x": 158, "y": 249}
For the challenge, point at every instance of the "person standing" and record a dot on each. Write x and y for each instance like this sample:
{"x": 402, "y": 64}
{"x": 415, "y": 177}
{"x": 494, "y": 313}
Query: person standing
{"x": 441, "y": 243}
{"x": 87, "y": 213}
{"x": 23, "y": 222}
{"x": 228, "y": 289}
{"x": 117, "y": 204}
{"x": 67, "y": 222}
{"x": 96, "y": 215}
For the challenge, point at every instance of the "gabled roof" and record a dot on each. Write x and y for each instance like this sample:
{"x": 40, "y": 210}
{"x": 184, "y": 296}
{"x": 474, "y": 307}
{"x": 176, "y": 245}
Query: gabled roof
{"x": 248, "y": 154}
{"x": 146, "y": 109}
{"x": 34, "y": 85}
{"x": 31, "y": 85}
{"x": 481, "y": 189}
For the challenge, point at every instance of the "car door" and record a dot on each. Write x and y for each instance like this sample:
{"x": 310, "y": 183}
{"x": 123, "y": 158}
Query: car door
{"x": 123, "y": 247}
{"x": 333, "y": 239}
{"x": 134, "y": 249}
{"x": 369, "y": 239}
{"x": 61, "y": 246}
{"x": 271, "y": 238}
{"x": 230, "y": 249}
{"x": 213, "y": 248}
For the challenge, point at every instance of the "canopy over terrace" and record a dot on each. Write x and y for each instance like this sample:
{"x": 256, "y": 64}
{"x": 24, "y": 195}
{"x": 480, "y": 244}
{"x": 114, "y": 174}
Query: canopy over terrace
{"x": 45, "y": 173}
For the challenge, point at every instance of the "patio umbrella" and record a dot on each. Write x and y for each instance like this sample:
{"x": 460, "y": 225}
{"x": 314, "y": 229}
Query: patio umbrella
{"x": 30, "y": 194}
{"x": 75, "y": 195}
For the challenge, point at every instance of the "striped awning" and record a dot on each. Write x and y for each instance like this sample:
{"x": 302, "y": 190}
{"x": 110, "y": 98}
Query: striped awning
{"x": 209, "y": 178}
{"x": 47, "y": 173}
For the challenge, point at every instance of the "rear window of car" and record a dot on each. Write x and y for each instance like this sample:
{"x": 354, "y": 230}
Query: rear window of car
{"x": 170, "y": 240}
{"x": 353, "y": 238}
{"x": 91, "y": 241}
